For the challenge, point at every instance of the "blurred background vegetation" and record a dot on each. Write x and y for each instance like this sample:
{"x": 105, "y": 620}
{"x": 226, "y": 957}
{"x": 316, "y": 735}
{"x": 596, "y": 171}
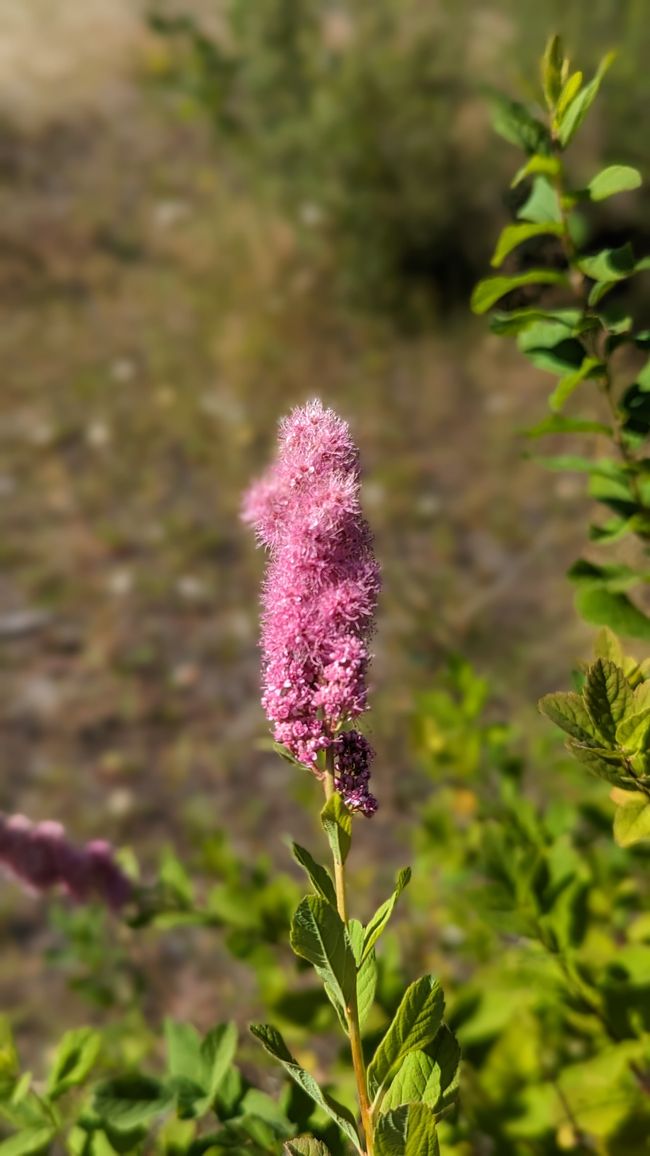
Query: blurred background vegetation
{"x": 210, "y": 212}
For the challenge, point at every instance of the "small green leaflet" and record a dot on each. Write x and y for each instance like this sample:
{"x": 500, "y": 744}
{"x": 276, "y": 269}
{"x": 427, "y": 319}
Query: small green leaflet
{"x": 319, "y": 935}
{"x": 612, "y": 180}
{"x": 514, "y": 123}
{"x": 489, "y": 291}
{"x": 571, "y": 89}
{"x": 542, "y": 205}
{"x": 546, "y": 166}
{"x": 305, "y": 1146}
{"x": 514, "y": 235}
{"x": 336, "y": 821}
{"x": 127, "y": 1101}
{"x": 27, "y": 1142}
{"x": 409, "y": 1130}
{"x": 319, "y": 876}
{"x": 416, "y": 1023}
{"x": 576, "y": 110}
{"x": 590, "y": 368}
{"x": 632, "y": 732}
{"x": 73, "y": 1060}
{"x": 632, "y": 819}
{"x": 273, "y": 1042}
{"x": 383, "y": 913}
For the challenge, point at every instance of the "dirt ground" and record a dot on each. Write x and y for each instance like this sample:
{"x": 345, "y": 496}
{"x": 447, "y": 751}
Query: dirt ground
{"x": 155, "y": 323}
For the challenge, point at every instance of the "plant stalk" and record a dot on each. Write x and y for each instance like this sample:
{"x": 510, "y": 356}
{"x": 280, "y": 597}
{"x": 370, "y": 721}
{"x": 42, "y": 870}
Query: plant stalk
{"x": 352, "y": 1010}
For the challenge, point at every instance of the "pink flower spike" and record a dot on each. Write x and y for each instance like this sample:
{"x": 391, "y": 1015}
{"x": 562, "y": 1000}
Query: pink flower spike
{"x": 321, "y": 588}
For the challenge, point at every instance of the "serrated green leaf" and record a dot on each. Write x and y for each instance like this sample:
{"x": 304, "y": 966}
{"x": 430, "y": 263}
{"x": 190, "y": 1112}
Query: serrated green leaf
{"x": 632, "y": 820}
{"x": 632, "y": 731}
{"x": 489, "y": 291}
{"x": 415, "y": 1024}
{"x": 514, "y": 235}
{"x": 73, "y": 1061}
{"x": 366, "y": 987}
{"x": 336, "y": 821}
{"x": 407, "y": 1131}
{"x": 319, "y": 935}
{"x": 607, "y": 697}
{"x": 305, "y": 1146}
{"x": 601, "y": 762}
{"x": 273, "y": 1042}
{"x": 382, "y": 914}
{"x": 542, "y": 204}
{"x": 568, "y": 712}
{"x": 429, "y": 1077}
{"x": 319, "y": 876}
{"x": 576, "y": 110}
{"x": 604, "y": 608}
{"x": 591, "y": 367}
{"x": 127, "y": 1101}
{"x": 612, "y": 180}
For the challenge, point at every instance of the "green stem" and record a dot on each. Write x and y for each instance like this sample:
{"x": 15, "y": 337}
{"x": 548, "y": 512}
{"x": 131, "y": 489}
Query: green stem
{"x": 352, "y": 1010}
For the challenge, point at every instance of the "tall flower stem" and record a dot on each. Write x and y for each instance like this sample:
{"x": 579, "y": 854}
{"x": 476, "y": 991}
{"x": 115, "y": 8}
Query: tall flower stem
{"x": 352, "y": 1010}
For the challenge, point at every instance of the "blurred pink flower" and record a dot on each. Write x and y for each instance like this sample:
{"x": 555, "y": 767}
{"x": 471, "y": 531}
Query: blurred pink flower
{"x": 41, "y": 856}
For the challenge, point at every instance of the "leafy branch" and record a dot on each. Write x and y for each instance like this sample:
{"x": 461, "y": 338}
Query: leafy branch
{"x": 572, "y": 329}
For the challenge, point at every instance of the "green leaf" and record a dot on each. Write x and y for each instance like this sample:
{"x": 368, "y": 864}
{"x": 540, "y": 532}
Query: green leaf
{"x": 632, "y": 820}
{"x": 336, "y": 821}
{"x": 319, "y": 935}
{"x": 567, "y": 425}
{"x": 604, "y": 608}
{"x": 568, "y": 712}
{"x": 127, "y": 1101}
{"x": 590, "y": 368}
{"x": 416, "y": 1023}
{"x": 514, "y": 235}
{"x": 319, "y": 876}
{"x": 184, "y": 1051}
{"x": 74, "y": 1059}
{"x": 561, "y": 323}
{"x": 607, "y": 697}
{"x": 492, "y": 289}
{"x": 367, "y": 973}
{"x": 612, "y": 180}
{"x": 305, "y": 1146}
{"x": 273, "y": 1042}
{"x": 27, "y": 1142}
{"x": 535, "y": 166}
{"x": 610, "y": 265}
{"x": 382, "y": 914}
{"x": 217, "y": 1053}
{"x": 366, "y": 987}
{"x": 407, "y": 1131}
{"x": 602, "y": 762}
{"x": 542, "y": 204}
{"x": 577, "y": 109}
{"x": 514, "y": 123}
{"x": 632, "y": 731}
{"x": 430, "y": 1077}
{"x": 552, "y": 66}
{"x": 570, "y": 90}
{"x": 615, "y": 576}
{"x": 549, "y": 348}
